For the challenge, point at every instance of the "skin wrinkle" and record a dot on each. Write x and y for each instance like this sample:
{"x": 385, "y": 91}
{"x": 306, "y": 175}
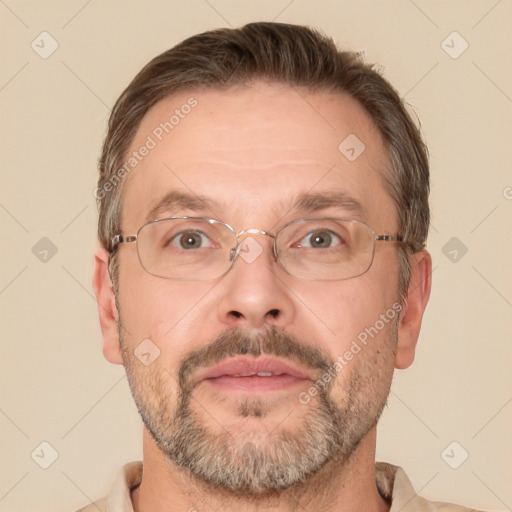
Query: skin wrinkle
{"x": 175, "y": 203}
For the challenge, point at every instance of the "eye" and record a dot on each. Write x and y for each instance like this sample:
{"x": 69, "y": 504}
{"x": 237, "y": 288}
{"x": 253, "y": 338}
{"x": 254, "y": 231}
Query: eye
{"x": 320, "y": 239}
{"x": 191, "y": 240}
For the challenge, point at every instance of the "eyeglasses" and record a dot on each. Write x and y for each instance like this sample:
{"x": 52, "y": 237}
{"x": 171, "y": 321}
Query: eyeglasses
{"x": 200, "y": 249}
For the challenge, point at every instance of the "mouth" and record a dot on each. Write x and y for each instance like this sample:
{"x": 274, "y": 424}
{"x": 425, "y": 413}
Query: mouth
{"x": 254, "y": 375}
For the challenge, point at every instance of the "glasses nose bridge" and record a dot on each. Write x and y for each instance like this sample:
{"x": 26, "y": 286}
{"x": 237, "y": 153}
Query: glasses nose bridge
{"x": 252, "y": 231}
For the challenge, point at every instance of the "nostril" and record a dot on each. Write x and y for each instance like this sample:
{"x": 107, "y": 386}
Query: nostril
{"x": 236, "y": 314}
{"x": 274, "y": 312}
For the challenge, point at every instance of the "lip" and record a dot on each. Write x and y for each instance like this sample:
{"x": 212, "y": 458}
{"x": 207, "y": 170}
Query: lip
{"x": 240, "y": 373}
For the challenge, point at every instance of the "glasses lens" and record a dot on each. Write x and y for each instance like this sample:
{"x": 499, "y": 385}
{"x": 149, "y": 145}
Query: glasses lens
{"x": 188, "y": 249}
{"x": 326, "y": 249}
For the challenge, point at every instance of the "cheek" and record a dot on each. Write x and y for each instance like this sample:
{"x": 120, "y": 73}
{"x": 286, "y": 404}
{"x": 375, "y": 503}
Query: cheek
{"x": 343, "y": 310}
{"x": 365, "y": 369}
{"x": 162, "y": 311}
{"x": 152, "y": 307}
{"x": 355, "y": 323}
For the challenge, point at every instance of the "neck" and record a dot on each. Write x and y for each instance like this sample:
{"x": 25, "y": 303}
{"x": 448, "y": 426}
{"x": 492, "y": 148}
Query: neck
{"x": 341, "y": 486}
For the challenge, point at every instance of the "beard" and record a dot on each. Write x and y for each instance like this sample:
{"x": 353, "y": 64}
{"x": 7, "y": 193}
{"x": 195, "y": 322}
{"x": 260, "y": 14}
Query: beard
{"x": 245, "y": 462}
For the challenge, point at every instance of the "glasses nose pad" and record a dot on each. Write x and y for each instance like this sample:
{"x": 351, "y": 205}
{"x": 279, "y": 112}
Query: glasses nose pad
{"x": 232, "y": 254}
{"x": 275, "y": 251}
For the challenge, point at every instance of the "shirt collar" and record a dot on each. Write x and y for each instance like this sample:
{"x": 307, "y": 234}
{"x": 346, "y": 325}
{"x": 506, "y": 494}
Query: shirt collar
{"x": 392, "y": 483}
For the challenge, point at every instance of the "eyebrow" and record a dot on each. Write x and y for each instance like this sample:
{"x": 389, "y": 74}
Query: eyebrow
{"x": 175, "y": 202}
{"x": 314, "y": 201}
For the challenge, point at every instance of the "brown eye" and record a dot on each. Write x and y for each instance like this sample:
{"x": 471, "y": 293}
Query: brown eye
{"x": 320, "y": 239}
{"x": 190, "y": 240}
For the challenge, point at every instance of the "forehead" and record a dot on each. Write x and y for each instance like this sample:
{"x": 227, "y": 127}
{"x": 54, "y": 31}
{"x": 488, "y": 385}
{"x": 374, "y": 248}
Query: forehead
{"x": 253, "y": 151}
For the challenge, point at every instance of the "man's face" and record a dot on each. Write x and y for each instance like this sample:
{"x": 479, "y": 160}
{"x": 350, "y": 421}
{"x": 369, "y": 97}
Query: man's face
{"x": 252, "y": 152}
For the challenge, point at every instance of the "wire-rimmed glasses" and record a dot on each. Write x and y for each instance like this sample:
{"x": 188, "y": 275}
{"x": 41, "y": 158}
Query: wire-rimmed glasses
{"x": 199, "y": 248}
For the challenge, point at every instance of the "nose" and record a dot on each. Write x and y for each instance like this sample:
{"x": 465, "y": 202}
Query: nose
{"x": 255, "y": 292}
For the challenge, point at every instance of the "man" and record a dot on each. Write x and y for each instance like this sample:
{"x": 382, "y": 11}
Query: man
{"x": 261, "y": 272}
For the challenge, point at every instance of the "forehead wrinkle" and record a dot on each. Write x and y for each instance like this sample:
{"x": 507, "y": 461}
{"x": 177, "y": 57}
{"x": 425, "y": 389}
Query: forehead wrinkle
{"x": 175, "y": 202}
{"x": 311, "y": 202}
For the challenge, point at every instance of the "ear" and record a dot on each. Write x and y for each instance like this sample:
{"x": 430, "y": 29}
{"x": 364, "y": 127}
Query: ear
{"x": 107, "y": 309}
{"x": 418, "y": 293}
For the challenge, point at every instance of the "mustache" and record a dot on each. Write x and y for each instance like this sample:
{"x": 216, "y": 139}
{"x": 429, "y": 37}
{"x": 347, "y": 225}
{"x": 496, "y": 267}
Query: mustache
{"x": 270, "y": 340}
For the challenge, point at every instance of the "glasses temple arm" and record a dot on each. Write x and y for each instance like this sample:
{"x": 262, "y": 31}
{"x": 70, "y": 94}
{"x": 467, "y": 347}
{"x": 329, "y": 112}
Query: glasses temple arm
{"x": 120, "y": 239}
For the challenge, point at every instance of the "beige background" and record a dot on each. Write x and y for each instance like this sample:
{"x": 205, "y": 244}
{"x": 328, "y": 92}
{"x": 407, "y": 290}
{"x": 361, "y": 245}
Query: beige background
{"x": 56, "y": 386}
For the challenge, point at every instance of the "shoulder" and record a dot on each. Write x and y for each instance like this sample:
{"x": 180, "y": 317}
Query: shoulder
{"x": 394, "y": 484}
{"x": 118, "y": 498}
{"x": 97, "y": 506}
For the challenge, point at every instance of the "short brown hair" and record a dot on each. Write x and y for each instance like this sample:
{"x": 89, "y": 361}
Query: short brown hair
{"x": 282, "y": 53}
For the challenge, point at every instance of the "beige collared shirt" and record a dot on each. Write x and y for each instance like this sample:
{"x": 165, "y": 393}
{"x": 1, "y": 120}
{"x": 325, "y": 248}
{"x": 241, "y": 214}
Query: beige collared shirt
{"x": 392, "y": 483}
